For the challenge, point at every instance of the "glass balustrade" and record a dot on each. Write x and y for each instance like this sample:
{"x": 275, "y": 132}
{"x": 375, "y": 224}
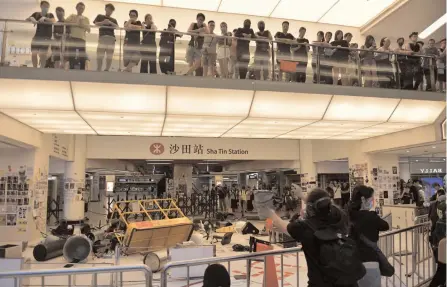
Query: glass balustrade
{"x": 172, "y": 52}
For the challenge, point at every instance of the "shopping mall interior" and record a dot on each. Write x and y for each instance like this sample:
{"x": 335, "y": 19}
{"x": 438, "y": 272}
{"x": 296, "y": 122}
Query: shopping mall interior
{"x": 140, "y": 151}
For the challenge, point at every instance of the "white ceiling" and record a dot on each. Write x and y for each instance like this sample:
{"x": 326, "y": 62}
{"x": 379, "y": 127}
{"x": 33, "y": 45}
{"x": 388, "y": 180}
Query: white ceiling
{"x": 435, "y": 149}
{"x": 322, "y": 11}
{"x": 144, "y": 110}
{"x": 414, "y": 15}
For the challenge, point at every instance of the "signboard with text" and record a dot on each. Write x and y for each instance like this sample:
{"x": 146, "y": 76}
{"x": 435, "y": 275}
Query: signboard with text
{"x": 191, "y": 148}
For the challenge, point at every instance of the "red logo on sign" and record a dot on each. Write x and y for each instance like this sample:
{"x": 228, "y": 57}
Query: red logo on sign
{"x": 157, "y": 149}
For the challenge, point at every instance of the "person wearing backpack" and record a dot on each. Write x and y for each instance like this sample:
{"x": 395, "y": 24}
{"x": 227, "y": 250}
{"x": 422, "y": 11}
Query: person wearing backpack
{"x": 367, "y": 223}
{"x": 332, "y": 259}
{"x": 438, "y": 233}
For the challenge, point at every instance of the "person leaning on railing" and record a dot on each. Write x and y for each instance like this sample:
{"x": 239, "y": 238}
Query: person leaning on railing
{"x": 385, "y": 75}
{"x": 42, "y": 39}
{"x": 76, "y": 42}
{"x": 106, "y": 40}
{"x": 131, "y": 48}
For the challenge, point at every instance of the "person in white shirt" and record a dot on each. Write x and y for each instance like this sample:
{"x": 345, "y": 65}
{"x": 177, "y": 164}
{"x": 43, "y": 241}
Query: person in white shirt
{"x": 337, "y": 194}
{"x": 209, "y": 51}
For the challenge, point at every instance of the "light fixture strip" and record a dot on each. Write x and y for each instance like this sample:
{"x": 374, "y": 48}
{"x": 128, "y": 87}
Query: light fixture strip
{"x": 274, "y": 8}
{"x": 76, "y": 111}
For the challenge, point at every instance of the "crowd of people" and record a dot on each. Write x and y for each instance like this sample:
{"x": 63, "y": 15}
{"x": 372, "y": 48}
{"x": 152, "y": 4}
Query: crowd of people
{"x": 239, "y": 198}
{"x": 332, "y": 57}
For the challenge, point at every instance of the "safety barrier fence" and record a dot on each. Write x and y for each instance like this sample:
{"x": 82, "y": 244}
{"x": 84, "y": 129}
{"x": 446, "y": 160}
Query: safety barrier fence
{"x": 171, "y": 52}
{"x": 70, "y": 273}
{"x": 408, "y": 250}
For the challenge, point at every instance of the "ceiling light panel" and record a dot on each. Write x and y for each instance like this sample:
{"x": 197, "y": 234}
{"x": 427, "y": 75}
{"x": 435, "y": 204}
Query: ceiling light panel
{"x": 289, "y": 105}
{"x": 208, "y": 102}
{"x": 102, "y": 97}
{"x": 264, "y": 128}
{"x": 433, "y": 27}
{"x": 124, "y": 123}
{"x": 348, "y": 108}
{"x": 380, "y": 129}
{"x": 51, "y": 121}
{"x": 208, "y": 5}
{"x": 147, "y": 2}
{"x": 248, "y": 7}
{"x": 34, "y": 94}
{"x": 417, "y": 111}
{"x": 302, "y": 10}
{"x": 198, "y": 125}
{"x": 359, "y": 11}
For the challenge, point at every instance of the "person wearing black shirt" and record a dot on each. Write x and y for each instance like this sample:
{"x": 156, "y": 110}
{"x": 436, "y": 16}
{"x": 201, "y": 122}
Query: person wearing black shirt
{"x": 58, "y": 32}
{"x": 42, "y": 39}
{"x": 369, "y": 224}
{"x": 300, "y": 54}
{"x": 327, "y": 67}
{"x": 348, "y": 38}
{"x": 243, "y": 48}
{"x": 148, "y": 47}
{"x": 414, "y": 75}
{"x": 106, "y": 40}
{"x": 262, "y": 53}
{"x": 194, "y": 51}
{"x": 132, "y": 41}
{"x": 322, "y": 214}
{"x": 340, "y": 58}
{"x": 166, "y": 56}
{"x": 283, "y": 49}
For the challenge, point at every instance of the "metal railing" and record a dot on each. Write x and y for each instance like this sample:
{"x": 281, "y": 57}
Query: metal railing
{"x": 318, "y": 63}
{"x": 71, "y": 272}
{"x": 408, "y": 250}
{"x": 258, "y": 256}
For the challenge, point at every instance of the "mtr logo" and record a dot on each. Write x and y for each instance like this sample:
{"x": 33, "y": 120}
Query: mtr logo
{"x": 157, "y": 149}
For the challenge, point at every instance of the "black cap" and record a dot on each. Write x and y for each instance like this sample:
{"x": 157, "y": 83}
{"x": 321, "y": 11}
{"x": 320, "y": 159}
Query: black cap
{"x": 412, "y": 34}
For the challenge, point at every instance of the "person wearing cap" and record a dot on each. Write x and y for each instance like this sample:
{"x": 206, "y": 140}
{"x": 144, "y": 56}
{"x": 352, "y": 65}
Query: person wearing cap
{"x": 414, "y": 76}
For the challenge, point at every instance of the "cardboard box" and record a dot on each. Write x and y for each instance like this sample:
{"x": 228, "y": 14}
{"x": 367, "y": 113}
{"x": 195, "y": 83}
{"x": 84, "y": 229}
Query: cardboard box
{"x": 10, "y": 251}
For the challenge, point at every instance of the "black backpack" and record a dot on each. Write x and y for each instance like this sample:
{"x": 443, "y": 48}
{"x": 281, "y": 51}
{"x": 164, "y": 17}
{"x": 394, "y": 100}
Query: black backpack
{"x": 338, "y": 256}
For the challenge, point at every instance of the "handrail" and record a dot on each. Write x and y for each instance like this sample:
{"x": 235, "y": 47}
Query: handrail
{"x": 195, "y": 262}
{"x": 290, "y": 42}
{"x": 403, "y": 229}
{"x": 75, "y": 271}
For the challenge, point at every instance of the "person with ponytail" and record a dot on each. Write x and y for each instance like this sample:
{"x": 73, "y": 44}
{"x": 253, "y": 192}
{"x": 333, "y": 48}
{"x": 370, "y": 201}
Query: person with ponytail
{"x": 367, "y": 223}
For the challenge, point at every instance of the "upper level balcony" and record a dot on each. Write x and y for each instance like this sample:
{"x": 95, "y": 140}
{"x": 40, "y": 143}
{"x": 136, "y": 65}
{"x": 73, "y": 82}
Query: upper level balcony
{"x": 172, "y": 83}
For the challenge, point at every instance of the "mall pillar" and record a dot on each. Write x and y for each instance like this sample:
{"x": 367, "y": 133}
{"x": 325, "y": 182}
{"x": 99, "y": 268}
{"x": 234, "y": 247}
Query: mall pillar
{"x": 183, "y": 178}
{"x": 379, "y": 171}
{"x": 308, "y": 168}
{"x": 74, "y": 182}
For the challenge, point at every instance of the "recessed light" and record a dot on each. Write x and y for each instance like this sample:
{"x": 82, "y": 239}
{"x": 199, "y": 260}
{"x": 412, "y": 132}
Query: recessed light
{"x": 444, "y": 159}
{"x": 408, "y": 151}
{"x": 417, "y": 160}
{"x": 433, "y": 146}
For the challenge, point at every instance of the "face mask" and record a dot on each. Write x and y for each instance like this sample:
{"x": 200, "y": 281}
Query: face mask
{"x": 261, "y": 28}
{"x": 44, "y": 10}
{"x": 247, "y": 25}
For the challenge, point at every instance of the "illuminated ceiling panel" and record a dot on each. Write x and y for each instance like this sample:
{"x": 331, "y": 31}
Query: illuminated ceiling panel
{"x": 208, "y": 102}
{"x": 198, "y": 125}
{"x": 124, "y": 123}
{"x": 147, "y": 2}
{"x": 207, "y": 5}
{"x": 417, "y": 111}
{"x": 303, "y": 10}
{"x": 377, "y": 130}
{"x": 100, "y": 97}
{"x": 248, "y": 7}
{"x": 359, "y": 11}
{"x": 264, "y": 128}
{"x": 35, "y": 95}
{"x": 62, "y": 122}
{"x": 349, "y": 108}
{"x": 289, "y": 105}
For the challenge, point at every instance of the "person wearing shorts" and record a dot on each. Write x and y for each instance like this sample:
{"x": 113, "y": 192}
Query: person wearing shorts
{"x": 77, "y": 42}
{"x": 57, "y": 49}
{"x": 223, "y": 51}
{"x": 42, "y": 39}
{"x": 132, "y": 41}
{"x": 194, "y": 51}
{"x": 209, "y": 52}
{"x": 106, "y": 40}
{"x": 283, "y": 52}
